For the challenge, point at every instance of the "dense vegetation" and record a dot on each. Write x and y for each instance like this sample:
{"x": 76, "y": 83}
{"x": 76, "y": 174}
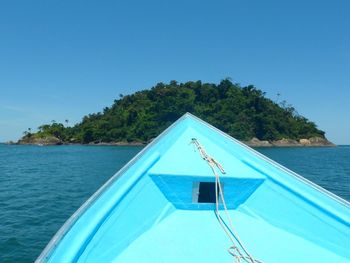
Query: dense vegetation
{"x": 243, "y": 112}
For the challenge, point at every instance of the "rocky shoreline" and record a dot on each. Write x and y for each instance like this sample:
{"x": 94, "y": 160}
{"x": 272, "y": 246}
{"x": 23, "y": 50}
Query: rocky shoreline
{"x": 311, "y": 142}
{"x": 52, "y": 141}
{"x": 254, "y": 142}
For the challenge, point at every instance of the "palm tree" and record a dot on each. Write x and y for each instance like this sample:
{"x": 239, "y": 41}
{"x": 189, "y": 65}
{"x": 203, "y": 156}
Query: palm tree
{"x": 278, "y": 96}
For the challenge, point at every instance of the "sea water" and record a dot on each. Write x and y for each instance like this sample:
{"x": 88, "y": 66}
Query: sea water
{"x": 41, "y": 187}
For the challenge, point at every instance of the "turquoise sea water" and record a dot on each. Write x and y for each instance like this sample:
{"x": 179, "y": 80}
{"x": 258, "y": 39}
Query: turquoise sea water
{"x": 40, "y": 187}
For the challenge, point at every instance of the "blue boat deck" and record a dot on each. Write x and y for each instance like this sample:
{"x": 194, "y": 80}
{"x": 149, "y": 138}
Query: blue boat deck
{"x": 152, "y": 213}
{"x": 196, "y": 236}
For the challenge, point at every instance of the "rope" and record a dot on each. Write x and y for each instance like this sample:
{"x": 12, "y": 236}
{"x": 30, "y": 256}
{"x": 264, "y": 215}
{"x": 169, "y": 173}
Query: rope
{"x": 233, "y": 250}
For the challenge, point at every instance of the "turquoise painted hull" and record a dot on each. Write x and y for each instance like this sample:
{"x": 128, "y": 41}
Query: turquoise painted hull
{"x": 150, "y": 210}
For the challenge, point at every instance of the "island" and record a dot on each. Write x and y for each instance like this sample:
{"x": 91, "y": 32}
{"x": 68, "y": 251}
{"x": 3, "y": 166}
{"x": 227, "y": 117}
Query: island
{"x": 245, "y": 113}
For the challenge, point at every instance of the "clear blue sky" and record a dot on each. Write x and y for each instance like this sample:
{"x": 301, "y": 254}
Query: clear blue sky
{"x": 64, "y": 59}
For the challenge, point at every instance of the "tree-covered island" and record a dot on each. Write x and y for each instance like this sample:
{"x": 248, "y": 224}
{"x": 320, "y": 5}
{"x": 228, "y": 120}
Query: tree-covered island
{"x": 243, "y": 112}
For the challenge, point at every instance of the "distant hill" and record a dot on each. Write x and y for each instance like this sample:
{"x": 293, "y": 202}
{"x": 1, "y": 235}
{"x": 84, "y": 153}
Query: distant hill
{"x": 243, "y": 112}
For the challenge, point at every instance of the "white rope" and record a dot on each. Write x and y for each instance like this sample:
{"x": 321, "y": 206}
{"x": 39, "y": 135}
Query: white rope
{"x": 233, "y": 250}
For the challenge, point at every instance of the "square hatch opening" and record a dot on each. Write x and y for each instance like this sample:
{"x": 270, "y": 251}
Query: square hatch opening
{"x": 204, "y": 192}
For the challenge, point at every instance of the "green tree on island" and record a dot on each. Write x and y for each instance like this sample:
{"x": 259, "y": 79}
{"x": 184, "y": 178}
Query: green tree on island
{"x": 242, "y": 112}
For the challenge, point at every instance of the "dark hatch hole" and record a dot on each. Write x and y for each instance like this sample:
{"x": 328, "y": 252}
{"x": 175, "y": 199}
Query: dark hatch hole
{"x": 206, "y": 192}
